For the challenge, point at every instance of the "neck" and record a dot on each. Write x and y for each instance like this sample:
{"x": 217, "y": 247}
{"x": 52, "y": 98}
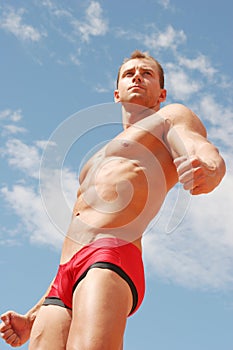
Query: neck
{"x": 132, "y": 113}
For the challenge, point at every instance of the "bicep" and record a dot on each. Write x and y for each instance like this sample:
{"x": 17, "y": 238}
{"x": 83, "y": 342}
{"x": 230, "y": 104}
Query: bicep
{"x": 184, "y": 131}
{"x": 183, "y": 141}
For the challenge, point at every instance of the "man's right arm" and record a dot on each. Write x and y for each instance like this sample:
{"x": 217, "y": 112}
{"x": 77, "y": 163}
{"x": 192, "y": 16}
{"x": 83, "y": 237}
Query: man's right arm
{"x": 15, "y": 328}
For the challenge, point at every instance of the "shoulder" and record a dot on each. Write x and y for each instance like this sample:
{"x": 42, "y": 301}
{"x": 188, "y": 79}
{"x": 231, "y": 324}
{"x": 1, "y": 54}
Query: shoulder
{"x": 178, "y": 115}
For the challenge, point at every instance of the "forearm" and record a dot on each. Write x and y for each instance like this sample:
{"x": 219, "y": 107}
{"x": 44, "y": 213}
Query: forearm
{"x": 199, "y": 165}
{"x": 16, "y": 328}
{"x": 32, "y": 313}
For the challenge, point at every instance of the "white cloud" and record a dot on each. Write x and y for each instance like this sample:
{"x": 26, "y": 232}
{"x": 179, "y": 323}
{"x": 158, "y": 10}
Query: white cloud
{"x": 68, "y": 26}
{"x": 55, "y": 8}
{"x": 156, "y": 40}
{"x": 108, "y": 84}
{"x": 47, "y": 3}
{"x": 12, "y": 22}
{"x": 166, "y": 39}
{"x": 44, "y": 210}
{"x": 218, "y": 232}
{"x": 94, "y": 24}
{"x": 22, "y": 157}
{"x": 75, "y": 59}
{"x": 9, "y": 242}
{"x": 216, "y": 113}
{"x": 13, "y": 129}
{"x": 200, "y": 63}
{"x": 199, "y": 254}
{"x": 8, "y": 114}
{"x": 101, "y": 89}
{"x": 27, "y": 205}
{"x": 45, "y": 215}
{"x": 179, "y": 84}
{"x": 220, "y": 118}
{"x": 43, "y": 144}
{"x": 165, "y": 3}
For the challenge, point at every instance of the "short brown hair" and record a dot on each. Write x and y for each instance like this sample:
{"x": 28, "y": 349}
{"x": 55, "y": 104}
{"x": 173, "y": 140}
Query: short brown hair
{"x": 140, "y": 54}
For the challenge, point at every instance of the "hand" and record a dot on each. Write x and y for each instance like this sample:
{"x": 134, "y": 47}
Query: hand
{"x": 195, "y": 175}
{"x": 15, "y": 329}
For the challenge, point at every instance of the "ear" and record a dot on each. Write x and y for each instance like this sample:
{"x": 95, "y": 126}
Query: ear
{"x": 116, "y": 96}
{"x": 163, "y": 95}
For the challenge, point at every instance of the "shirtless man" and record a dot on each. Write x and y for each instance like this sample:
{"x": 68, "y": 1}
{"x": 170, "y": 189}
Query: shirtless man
{"x": 100, "y": 281}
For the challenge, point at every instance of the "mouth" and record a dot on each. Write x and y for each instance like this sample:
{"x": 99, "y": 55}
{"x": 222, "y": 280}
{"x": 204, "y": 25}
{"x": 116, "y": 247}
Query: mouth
{"x": 136, "y": 87}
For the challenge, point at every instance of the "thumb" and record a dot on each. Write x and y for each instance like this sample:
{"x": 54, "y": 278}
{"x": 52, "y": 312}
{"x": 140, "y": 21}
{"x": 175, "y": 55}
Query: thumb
{"x": 6, "y": 318}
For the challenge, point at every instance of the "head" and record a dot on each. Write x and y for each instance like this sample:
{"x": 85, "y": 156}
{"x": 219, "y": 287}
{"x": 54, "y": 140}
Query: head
{"x": 143, "y": 55}
{"x": 140, "y": 81}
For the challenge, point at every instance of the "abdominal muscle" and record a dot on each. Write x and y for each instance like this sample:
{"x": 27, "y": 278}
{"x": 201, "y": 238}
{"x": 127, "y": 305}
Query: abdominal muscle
{"x": 122, "y": 189}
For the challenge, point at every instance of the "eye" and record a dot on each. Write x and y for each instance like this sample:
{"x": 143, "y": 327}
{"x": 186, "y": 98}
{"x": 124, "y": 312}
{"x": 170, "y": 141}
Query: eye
{"x": 147, "y": 72}
{"x": 128, "y": 74}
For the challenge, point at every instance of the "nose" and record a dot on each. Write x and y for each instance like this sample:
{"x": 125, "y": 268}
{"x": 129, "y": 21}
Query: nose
{"x": 137, "y": 78}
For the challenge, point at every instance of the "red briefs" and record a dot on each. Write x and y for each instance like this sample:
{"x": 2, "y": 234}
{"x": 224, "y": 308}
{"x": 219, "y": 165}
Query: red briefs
{"x": 109, "y": 253}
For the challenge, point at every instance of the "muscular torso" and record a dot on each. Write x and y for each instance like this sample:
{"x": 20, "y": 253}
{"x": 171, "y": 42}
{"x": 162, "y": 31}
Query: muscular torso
{"x": 122, "y": 187}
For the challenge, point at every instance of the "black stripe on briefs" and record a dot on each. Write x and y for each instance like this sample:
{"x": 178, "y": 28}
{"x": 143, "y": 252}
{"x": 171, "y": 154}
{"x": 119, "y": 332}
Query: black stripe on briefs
{"x": 54, "y": 301}
{"x": 120, "y": 272}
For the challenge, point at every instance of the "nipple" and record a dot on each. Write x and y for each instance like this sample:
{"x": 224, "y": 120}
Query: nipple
{"x": 125, "y": 143}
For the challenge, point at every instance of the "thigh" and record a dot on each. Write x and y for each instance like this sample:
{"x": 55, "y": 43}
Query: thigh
{"x": 101, "y": 304}
{"x": 50, "y": 329}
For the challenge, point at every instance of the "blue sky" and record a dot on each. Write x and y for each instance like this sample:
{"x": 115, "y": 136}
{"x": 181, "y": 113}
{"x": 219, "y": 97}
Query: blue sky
{"x": 58, "y": 65}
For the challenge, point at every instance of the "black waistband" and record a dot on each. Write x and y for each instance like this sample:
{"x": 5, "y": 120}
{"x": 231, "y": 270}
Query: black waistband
{"x": 54, "y": 301}
{"x": 103, "y": 265}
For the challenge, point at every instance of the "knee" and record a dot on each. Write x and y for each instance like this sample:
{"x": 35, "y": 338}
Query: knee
{"x": 35, "y": 342}
{"x": 81, "y": 345}
{"x": 91, "y": 344}
{"x": 39, "y": 338}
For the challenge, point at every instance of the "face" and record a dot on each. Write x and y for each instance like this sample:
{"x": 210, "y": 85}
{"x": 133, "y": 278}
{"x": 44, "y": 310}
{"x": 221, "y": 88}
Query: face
{"x": 139, "y": 84}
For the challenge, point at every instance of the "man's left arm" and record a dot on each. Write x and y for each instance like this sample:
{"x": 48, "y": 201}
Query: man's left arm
{"x": 199, "y": 165}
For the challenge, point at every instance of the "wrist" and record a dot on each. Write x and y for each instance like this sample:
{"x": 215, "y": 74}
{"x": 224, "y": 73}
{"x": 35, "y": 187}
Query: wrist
{"x": 31, "y": 316}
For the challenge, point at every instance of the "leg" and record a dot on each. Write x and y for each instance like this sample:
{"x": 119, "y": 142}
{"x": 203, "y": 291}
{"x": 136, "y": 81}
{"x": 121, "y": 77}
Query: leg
{"x": 50, "y": 329}
{"x": 101, "y": 304}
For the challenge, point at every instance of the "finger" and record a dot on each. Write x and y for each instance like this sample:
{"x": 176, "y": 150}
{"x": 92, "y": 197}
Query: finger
{"x": 16, "y": 343}
{"x": 195, "y": 175}
{"x": 186, "y": 176}
{"x": 177, "y": 161}
{"x": 188, "y": 185}
{"x": 183, "y": 166}
{"x": 7, "y": 334}
{"x": 187, "y": 162}
{"x": 4, "y": 327}
{"x": 11, "y": 340}
{"x": 197, "y": 190}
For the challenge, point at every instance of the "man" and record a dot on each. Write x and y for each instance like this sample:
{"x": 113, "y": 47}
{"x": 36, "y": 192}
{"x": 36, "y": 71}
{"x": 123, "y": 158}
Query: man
{"x": 100, "y": 281}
